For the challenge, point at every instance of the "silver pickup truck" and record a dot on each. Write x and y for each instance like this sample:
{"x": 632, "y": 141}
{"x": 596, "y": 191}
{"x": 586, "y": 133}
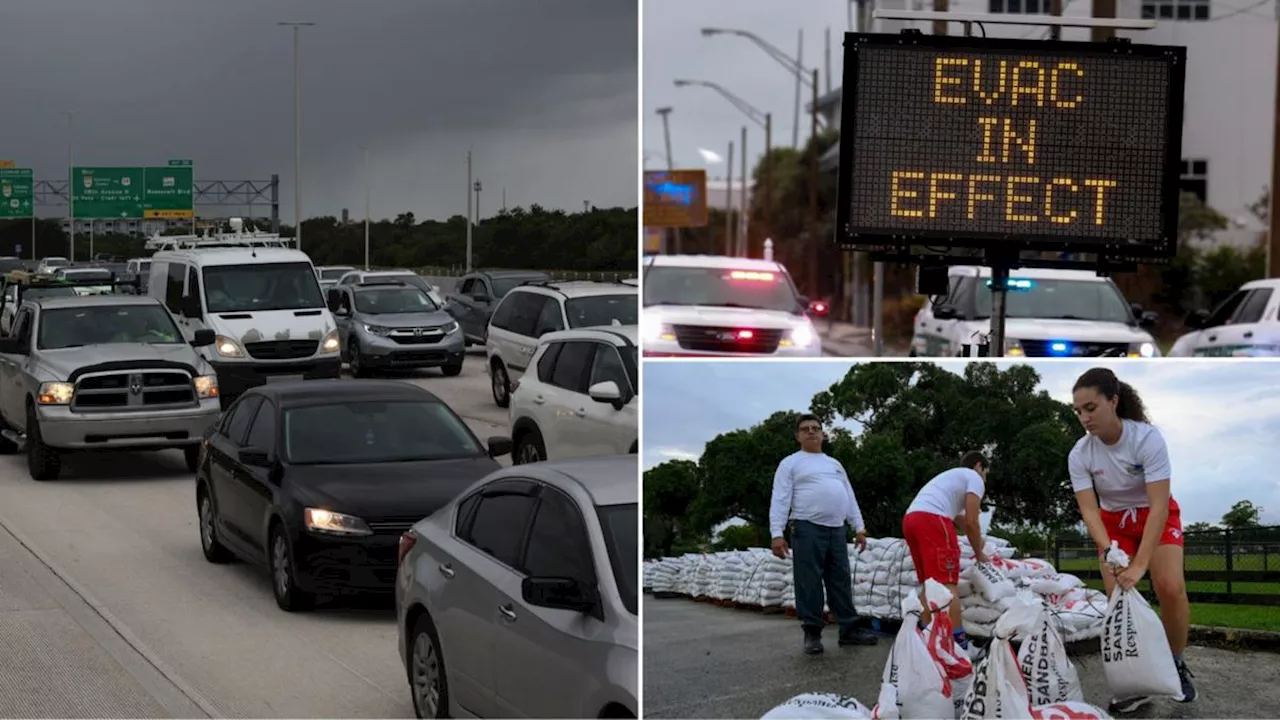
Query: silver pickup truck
{"x": 102, "y": 372}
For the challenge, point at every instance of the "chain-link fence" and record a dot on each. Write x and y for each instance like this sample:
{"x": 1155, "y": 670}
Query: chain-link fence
{"x": 1230, "y": 566}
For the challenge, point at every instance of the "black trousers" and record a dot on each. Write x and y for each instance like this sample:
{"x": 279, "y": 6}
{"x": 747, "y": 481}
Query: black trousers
{"x": 820, "y": 559}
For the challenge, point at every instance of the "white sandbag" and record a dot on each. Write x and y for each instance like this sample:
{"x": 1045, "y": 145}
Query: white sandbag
{"x": 1135, "y": 650}
{"x": 941, "y": 641}
{"x": 1055, "y": 584}
{"x": 1069, "y": 711}
{"x": 964, "y": 588}
{"x": 1049, "y": 674}
{"x": 999, "y": 690}
{"x": 818, "y": 705}
{"x": 990, "y": 582}
{"x": 1037, "y": 568}
{"x": 913, "y": 685}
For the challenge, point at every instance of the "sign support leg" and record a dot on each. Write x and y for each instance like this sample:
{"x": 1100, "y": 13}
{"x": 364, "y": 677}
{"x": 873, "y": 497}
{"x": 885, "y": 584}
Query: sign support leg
{"x": 999, "y": 294}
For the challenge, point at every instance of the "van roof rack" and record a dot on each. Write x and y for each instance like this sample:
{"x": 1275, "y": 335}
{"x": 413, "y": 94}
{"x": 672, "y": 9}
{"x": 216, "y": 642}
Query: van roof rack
{"x": 237, "y": 238}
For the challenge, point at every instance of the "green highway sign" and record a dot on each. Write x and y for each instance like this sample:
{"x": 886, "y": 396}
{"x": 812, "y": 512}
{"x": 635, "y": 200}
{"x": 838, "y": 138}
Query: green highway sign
{"x": 17, "y": 193}
{"x": 134, "y": 192}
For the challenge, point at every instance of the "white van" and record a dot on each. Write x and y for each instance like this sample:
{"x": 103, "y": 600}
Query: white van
{"x": 260, "y": 297}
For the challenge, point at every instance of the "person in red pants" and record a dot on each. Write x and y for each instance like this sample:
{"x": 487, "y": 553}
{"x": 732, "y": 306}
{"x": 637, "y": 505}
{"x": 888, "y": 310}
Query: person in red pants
{"x": 1120, "y": 474}
{"x": 929, "y": 527}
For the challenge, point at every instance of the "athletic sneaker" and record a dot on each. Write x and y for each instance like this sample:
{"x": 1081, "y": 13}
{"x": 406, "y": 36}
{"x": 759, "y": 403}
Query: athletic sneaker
{"x": 1122, "y": 707}
{"x": 1188, "y": 689}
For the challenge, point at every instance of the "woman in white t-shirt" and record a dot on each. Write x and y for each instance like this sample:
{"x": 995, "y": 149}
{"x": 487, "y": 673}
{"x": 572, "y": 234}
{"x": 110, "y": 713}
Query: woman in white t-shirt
{"x": 1120, "y": 474}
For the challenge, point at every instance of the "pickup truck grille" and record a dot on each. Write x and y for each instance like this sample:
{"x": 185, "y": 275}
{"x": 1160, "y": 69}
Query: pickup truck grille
{"x": 140, "y": 390}
{"x": 282, "y": 349}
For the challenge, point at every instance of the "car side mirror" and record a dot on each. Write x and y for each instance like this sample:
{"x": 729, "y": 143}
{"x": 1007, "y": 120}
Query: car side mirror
{"x": 817, "y": 308}
{"x": 607, "y": 392}
{"x": 333, "y": 299}
{"x": 11, "y": 346}
{"x": 190, "y": 306}
{"x": 499, "y": 445}
{"x": 254, "y": 457}
{"x": 204, "y": 337}
{"x": 1136, "y": 309}
{"x": 1198, "y": 319}
{"x": 945, "y": 312}
{"x": 1148, "y": 319}
{"x": 560, "y": 593}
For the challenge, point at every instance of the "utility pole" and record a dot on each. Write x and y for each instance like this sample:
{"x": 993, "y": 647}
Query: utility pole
{"x": 729, "y": 239}
{"x": 813, "y": 189}
{"x": 468, "y": 211}
{"x": 1055, "y": 9}
{"x": 744, "y": 211}
{"x": 795, "y": 122}
{"x": 1103, "y": 9}
{"x": 366, "y": 207}
{"x": 767, "y": 174}
{"x": 1273, "y": 209}
{"x": 665, "y": 113}
{"x": 940, "y": 26}
{"x": 477, "y": 187}
{"x": 71, "y": 184}
{"x": 297, "y": 134}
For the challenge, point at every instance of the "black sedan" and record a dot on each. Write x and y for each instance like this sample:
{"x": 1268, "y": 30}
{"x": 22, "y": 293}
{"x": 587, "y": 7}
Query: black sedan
{"x": 317, "y": 479}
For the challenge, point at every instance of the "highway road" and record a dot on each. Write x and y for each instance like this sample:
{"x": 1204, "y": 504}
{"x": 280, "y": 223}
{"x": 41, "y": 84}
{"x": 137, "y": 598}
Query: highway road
{"x": 123, "y": 528}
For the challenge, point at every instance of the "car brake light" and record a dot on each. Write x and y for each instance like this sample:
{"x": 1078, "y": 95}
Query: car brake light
{"x": 745, "y": 334}
{"x": 407, "y": 540}
{"x": 751, "y": 275}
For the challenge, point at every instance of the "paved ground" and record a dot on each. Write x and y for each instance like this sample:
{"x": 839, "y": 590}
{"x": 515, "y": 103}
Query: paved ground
{"x": 704, "y": 661}
{"x": 124, "y": 527}
{"x": 846, "y": 340}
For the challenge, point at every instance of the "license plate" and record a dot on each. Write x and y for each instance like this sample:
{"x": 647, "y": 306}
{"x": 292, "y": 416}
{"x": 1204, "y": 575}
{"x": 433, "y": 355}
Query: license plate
{"x": 284, "y": 378}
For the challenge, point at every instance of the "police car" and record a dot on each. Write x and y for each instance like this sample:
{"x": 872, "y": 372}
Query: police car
{"x": 698, "y": 305}
{"x": 1049, "y": 313}
{"x": 1247, "y": 324}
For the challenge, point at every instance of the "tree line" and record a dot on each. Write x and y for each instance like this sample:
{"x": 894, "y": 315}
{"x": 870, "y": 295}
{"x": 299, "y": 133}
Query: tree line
{"x": 535, "y": 238}
{"x": 1199, "y": 277}
{"x": 917, "y": 420}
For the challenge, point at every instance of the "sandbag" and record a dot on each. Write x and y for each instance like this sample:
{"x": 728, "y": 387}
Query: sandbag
{"x": 1069, "y": 711}
{"x": 941, "y": 641}
{"x": 990, "y": 582}
{"x": 999, "y": 690}
{"x": 913, "y": 684}
{"x": 818, "y": 705}
{"x": 1136, "y": 657}
{"x": 1048, "y": 672}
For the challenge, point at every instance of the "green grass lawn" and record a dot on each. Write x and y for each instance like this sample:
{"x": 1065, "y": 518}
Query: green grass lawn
{"x": 1247, "y": 617}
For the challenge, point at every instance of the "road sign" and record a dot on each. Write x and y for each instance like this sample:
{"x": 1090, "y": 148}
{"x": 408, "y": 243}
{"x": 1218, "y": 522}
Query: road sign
{"x": 675, "y": 199}
{"x": 8, "y": 164}
{"x": 133, "y": 192}
{"x": 1010, "y": 144}
{"x": 17, "y": 196}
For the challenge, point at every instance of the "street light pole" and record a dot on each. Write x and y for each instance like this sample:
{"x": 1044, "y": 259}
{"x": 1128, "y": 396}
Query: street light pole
{"x": 665, "y": 112}
{"x": 477, "y": 187}
{"x": 297, "y": 134}
{"x": 366, "y": 207}
{"x": 468, "y": 262}
{"x": 71, "y": 189}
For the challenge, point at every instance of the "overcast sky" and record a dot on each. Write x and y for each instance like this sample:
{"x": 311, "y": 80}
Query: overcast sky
{"x": 1220, "y": 419}
{"x": 544, "y": 91}
{"x": 700, "y": 117}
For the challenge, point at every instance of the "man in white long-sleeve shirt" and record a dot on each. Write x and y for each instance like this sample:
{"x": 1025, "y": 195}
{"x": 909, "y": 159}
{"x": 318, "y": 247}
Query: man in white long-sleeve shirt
{"x": 812, "y": 490}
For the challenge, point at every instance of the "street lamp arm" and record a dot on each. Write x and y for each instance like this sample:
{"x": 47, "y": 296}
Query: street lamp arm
{"x": 791, "y": 64}
{"x": 756, "y": 114}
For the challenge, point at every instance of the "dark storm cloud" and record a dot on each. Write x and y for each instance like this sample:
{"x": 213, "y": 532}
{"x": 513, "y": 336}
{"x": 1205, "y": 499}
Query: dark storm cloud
{"x": 543, "y": 92}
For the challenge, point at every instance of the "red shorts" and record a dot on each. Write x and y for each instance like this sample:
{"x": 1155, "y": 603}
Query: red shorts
{"x": 935, "y": 547}
{"x": 1125, "y": 527}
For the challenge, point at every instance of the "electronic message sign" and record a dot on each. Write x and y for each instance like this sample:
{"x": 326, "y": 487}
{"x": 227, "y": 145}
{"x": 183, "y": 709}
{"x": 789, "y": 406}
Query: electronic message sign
{"x": 675, "y": 199}
{"x": 1046, "y": 145}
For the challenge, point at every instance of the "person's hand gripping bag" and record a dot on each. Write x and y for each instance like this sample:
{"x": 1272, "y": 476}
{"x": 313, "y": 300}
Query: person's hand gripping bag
{"x": 1136, "y": 658}
{"x": 1048, "y": 672}
{"x": 998, "y": 689}
{"x": 914, "y": 685}
{"x": 953, "y": 660}
{"x": 819, "y": 706}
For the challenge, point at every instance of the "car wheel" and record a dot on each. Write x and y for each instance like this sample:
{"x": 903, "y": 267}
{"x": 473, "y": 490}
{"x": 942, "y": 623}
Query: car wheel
{"x": 43, "y": 462}
{"x": 214, "y": 551}
{"x": 452, "y": 370}
{"x": 427, "y": 677}
{"x": 500, "y": 384}
{"x": 357, "y": 367}
{"x": 284, "y": 583}
{"x": 191, "y": 454}
{"x": 530, "y": 448}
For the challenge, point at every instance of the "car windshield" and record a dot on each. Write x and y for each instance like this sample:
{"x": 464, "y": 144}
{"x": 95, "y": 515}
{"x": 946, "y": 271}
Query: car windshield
{"x": 56, "y": 262}
{"x": 49, "y": 291}
{"x": 349, "y": 433}
{"x": 724, "y": 287}
{"x": 619, "y": 523}
{"x": 144, "y": 267}
{"x": 11, "y": 264}
{"x": 384, "y": 301}
{"x": 1057, "y": 299}
{"x": 595, "y": 310}
{"x": 333, "y": 273}
{"x": 106, "y": 324}
{"x": 504, "y": 284}
{"x": 410, "y": 279}
{"x": 87, "y": 275}
{"x": 256, "y": 288}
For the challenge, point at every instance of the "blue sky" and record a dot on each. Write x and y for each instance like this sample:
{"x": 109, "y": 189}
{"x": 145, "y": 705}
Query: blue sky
{"x": 1221, "y": 419}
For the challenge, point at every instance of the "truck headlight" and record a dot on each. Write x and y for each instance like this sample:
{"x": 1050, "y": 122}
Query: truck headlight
{"x": 206, "y": 386}
{"x": 802, "y": 336}
{"x": 331, "y": 342}
{"x": 655, "y": 329}
{"x": 55, "y": 393}
{"x": 328, "y": 522}
{"x": 226, "y": 347}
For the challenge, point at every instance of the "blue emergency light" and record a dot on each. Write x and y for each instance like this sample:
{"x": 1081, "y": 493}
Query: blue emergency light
{"x": 1016, "y": 284}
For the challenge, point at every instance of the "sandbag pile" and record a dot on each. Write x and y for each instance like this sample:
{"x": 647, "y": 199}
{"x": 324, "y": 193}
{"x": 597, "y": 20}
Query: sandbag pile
{"x": 986, "y": 592}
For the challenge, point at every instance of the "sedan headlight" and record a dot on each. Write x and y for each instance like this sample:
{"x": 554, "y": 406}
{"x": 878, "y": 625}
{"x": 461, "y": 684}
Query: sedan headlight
{"x": 206, "y": 386}
{"x": 1143, "y": 350}
{"x": 226, "y": 347}
{"x": 328, "y": 522}
{"x": 654, "y": 329}
{"x": 377, "y": 330}
{"x": 802, "y": 336}
{"x": 330, "y": 343}
{"x": 55, "y": 393}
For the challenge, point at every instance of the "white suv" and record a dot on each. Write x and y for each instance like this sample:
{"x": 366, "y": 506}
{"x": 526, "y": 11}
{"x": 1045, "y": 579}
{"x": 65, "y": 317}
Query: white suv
{"x": 581, "y": 397}
{"x": 725, "y": 306}
{"x": 534, "y": 309}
